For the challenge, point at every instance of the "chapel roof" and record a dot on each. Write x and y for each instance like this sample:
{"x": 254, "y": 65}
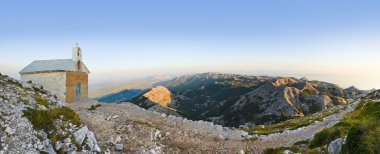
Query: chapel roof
{"x": 52, "y": 65}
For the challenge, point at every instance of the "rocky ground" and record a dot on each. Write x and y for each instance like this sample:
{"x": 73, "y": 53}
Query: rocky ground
{"x": 19, "y": 135}
{"x": 129, "y": 128}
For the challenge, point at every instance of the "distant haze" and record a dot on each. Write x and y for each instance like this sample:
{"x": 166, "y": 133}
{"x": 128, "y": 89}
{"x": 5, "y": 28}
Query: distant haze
{"x": 334, "y": 41}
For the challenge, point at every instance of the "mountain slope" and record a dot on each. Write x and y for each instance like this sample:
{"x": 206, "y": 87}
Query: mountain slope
{"x": 157, "y": 99}
{"x": 233, "y": 100}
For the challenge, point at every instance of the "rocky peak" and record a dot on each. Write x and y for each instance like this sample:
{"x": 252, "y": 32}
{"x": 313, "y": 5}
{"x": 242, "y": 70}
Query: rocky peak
{"x": 284, "y": 81}
{"x": 159, "y": 95}
{"x": 352, "y": 88}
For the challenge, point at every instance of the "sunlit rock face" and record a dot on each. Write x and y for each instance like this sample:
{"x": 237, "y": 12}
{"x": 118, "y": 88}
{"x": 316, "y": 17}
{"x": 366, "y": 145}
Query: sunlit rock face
{"x": 159, "y": 95}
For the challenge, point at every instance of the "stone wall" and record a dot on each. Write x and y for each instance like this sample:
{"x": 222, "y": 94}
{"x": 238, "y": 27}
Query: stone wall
{"x": 55, "y": 82}
{"x": 72, "y": 79}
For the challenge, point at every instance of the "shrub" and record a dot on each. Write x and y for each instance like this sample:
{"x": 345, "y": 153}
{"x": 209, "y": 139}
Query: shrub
{"x": 93, "y": 107}
{"x": 45, "y": 119}
{"x": 363, "y": 138}
{"x": 330, "y": 134}
{"x": 362, "y": 127}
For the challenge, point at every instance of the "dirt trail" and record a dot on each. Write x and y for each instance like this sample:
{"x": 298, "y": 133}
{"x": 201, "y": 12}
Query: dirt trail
{"x": 137, "y": 129}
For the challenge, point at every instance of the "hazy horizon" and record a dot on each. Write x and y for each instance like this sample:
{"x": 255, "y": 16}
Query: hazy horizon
{"x": 332, "y": 41}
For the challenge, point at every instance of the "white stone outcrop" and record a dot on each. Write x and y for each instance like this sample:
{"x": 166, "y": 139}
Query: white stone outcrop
{"x": 90, "y": 141}
{"x": 336, "y": 146}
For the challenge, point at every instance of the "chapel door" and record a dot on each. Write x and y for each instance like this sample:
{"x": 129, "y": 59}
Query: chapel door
{"x": 77, "y": 92}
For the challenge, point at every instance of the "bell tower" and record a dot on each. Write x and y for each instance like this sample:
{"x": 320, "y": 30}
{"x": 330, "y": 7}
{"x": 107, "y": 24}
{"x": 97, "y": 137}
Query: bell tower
{"x": 77, "y": 53}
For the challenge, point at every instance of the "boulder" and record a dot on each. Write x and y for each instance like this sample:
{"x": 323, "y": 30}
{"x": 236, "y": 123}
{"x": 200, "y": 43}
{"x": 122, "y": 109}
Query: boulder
{"x": 336, "y": 146}
{"x": 67, "y": 140}
{"x": 27, "y": 85}
{"x": 9, "y": 130}
{"x": 82, "y": 133}
{"x": 118, "y": 147}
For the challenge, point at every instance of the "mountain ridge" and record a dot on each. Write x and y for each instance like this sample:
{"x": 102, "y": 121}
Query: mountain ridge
{"x": 233, "y": 99}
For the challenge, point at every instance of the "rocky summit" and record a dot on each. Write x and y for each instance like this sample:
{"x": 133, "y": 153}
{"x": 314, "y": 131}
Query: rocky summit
{"x": 234, "y": 100}
{"x": 32, "y": 120}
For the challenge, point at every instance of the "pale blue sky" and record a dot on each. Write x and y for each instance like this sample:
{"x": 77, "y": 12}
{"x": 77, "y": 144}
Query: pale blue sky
{"x": 333, "y": 40}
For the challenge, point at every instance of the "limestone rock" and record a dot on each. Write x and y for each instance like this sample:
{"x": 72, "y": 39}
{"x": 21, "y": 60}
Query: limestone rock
{"x": 91, "y": 142}
{"x": 118, "y": 147}
{"x": 9, "y": 130}
{"x": 336, "y": 146}
{"x": 81, "y": 134}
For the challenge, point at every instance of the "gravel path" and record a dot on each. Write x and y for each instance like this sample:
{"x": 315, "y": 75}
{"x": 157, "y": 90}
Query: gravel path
{"x": 138, "y": 131}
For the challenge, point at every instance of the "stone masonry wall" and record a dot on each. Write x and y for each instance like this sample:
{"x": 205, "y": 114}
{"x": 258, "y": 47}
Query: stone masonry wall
{"x": 72, "y": 79}
{"x": 55, "y": 82}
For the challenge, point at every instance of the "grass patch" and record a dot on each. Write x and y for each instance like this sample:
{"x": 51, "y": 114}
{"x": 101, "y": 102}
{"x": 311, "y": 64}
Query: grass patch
{"x": 25, "y": 102}
{"x": 312, "y": 151}
{"x": 93, "y": 107}
{"x": 307, "y": 91}
{"x": 42, "y": 101}
{"x": 44, "y": 120}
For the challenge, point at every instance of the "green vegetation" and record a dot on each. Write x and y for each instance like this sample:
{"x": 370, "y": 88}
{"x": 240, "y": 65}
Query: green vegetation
{"x": 291, "y": 124}
{"x": 26, "y": 102}
{"x": 302, "y": 142}
{"x": 93, "y": 107}
{"x": 41, "y": 101}
{"x": 307, "y": 91}
{"x": 44, "y": 120}
{"x": 312, "y": 151}
{"x": 330, "y": 134}
{"x": 362, "y": 127}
